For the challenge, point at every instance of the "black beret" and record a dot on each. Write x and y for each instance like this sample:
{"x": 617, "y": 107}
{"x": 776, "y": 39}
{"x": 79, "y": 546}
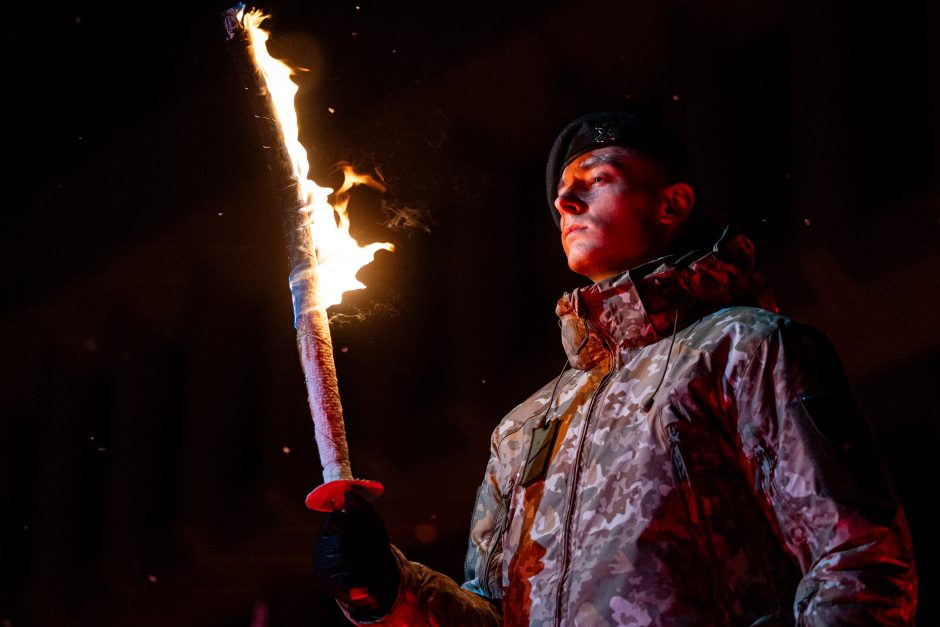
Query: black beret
{"x": 598, "y": 130}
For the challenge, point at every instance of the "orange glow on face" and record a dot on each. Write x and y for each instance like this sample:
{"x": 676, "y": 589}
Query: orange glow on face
{"x": 338, "y": 256}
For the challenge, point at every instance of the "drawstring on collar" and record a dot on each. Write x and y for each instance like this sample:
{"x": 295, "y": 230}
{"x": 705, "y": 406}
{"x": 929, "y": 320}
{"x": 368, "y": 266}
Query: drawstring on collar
{"x": 648, "y": 405}
{"x": 552, "y": 400}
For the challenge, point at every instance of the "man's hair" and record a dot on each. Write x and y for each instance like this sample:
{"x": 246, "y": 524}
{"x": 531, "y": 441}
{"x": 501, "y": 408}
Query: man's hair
{"x": 650, "y": 140}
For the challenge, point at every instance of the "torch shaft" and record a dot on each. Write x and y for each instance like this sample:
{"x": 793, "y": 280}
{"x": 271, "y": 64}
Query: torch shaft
{"x": 316, "y": 357}
{"x": 310, "y": 319}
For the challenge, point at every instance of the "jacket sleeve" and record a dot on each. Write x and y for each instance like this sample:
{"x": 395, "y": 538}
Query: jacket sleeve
{"x": 427, "y": 597}
{"x": 824, "y": 488}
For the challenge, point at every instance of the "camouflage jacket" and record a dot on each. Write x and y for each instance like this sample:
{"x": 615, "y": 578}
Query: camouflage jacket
{"x": 702, "y": 462}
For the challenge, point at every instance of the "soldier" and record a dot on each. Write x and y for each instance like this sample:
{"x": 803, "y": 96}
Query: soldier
{"x": 702, "y": 461}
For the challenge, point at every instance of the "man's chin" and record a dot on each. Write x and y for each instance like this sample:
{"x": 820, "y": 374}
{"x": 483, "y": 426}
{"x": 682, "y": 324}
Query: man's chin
{"x": 583, "y": 270}
{"x": 576, "y": 266}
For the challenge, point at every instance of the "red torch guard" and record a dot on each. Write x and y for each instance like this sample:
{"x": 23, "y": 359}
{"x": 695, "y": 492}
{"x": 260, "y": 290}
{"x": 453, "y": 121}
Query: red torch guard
{"x": 331, "y": 496}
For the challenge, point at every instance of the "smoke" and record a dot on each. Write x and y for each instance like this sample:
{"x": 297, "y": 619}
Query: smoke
{"x": 361, "y": 313}
{"x": 398, "y": 216}
{"x": 405, "y": 218}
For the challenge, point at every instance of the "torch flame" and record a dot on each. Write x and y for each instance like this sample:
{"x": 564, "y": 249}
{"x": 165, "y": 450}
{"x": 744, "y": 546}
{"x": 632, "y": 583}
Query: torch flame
{"x": 339, "y": 257}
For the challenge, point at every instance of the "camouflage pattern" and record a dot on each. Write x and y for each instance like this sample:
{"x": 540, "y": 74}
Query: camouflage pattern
{"x": 718, "y": 475}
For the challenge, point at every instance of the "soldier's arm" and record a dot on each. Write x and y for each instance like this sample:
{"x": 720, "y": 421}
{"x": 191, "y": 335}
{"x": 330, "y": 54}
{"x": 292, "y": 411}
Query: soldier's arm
{"x": 823, "y": 485}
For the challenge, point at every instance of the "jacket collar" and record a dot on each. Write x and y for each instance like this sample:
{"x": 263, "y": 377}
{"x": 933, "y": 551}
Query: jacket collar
{"x": 644, "y": 305}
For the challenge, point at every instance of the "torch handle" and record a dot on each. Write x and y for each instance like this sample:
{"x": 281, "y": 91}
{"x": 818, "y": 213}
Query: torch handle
{"x": 316, "y": 358}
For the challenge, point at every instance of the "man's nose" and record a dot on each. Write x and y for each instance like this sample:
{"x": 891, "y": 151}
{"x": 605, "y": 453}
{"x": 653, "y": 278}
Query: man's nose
{"x": 568, "y": 202}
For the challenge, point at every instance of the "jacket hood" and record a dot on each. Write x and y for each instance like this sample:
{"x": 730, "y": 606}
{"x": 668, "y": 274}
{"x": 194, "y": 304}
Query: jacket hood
{"x": 643, "y": 305}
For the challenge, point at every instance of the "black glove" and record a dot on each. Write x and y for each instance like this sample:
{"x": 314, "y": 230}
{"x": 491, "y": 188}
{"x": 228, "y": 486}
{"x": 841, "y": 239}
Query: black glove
{"x": 353, "y": 560}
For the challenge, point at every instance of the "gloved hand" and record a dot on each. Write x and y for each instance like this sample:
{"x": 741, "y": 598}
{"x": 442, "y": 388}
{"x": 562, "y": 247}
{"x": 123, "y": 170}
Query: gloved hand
{"x": 353, "y": 560}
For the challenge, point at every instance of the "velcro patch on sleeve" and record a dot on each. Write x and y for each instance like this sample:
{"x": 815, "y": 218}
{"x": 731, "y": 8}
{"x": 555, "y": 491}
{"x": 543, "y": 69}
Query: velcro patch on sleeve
{"x": 837, "y": 437}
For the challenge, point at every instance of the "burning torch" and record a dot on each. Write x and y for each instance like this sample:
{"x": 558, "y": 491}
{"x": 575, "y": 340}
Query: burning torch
{"x": 323, "y": 257}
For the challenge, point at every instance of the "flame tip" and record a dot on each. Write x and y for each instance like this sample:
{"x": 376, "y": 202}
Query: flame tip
{"x": 338, "y": 256}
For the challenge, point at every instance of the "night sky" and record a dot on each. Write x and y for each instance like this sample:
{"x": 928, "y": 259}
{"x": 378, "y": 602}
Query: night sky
{"x": 155, "y": 445}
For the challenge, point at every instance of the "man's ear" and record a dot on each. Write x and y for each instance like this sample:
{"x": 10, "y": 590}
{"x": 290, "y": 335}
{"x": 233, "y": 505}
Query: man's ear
{"x": 678, "y": 200}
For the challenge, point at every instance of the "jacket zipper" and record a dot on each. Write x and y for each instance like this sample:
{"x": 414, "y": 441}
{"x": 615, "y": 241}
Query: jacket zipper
{"x": 762, "y": 469}
{"x": 765, "y": 480}
{"x": 500, "y": 525}
{"x": 572, "y": 493}
{"x": 684, "y": 481}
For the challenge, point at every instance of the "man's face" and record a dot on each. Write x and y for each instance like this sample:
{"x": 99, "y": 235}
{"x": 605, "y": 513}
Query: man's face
{"x": 608, "y": 200}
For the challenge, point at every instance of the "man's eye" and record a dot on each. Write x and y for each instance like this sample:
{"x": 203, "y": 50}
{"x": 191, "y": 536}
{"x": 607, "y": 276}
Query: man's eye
{"x": 598, "y": 179}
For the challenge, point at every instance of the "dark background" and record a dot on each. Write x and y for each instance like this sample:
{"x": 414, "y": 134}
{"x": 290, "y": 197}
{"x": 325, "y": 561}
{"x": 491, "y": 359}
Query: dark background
{"x": 155, "y": 446}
